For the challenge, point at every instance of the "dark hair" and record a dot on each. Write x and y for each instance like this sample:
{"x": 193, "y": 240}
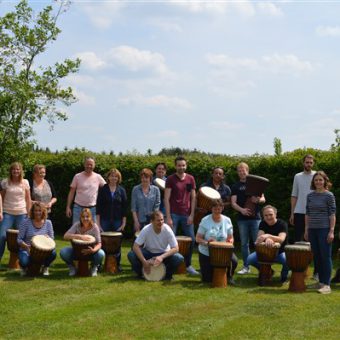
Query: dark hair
{"x": 327, "y": 184}
{"x": 180, "y": 158}
{"x": 308, "y": 156}
{"x": 217, "y": 203}
{"x": 217, "y": 167}
{"x": 146, "y": 172}
{"x": 154, "y": 214}
{"x": 43, "y": 211}
{"x": 161, "y": 163}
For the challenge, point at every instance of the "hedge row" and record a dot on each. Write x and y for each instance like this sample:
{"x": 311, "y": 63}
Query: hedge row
{"x": 280, "y": 170}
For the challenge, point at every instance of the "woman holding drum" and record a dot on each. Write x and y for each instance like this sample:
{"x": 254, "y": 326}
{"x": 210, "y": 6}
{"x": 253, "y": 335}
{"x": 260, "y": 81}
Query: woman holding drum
{"x": 16, "y": 200}
{"x": 320, "y": 224}
{"x": 145, "y": 199}
{"x": 36, "y": 224}
{"x": 84, "y": 230}
{"x": 214, "y": 227}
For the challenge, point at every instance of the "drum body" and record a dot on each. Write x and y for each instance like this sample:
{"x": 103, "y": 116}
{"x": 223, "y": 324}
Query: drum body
{"x": 160, "y": 183}
{"x": 184, "y": 243}
{"x": 41, "y": 248}
{"x": 298, "y": 259}
{"x": 13, "y": 248}
{"x": 265, "y": 257}
{"x": 78, "y": 246}
{"x": 111, "y": 244}
{"x": 255, "y": 186}
{"x": 220, "y": 254}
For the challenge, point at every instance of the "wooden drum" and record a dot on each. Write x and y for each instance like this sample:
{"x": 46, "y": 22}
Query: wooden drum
{"x": 184, "y": 243}
{"x": 265, "y": 257}
{"x": 160, "y": 183}
{"x": 298, "y": 259}
{"x": 255, "y": 186}
{"x": 205, "y": 198}
{"x": 78, "y": 246}
{"x": 42, "y": 247}
{"x": 157, "y": 273}
{"x": 13, "y": 248}
{"x": 220, "y": 254}
{"x": 111, "y": 244}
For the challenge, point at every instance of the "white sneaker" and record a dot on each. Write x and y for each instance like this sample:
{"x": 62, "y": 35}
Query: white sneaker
{"x": 23, "y": 272}
{"x": 73, "y": 270}
{"x": 244, "y": 270}
{"x": 325, "y": 290}
{"x": 315, "y": 277}
{"x": 45, "y": 271}
{"x": 94, "y": 270}
{"x": 192, "y": 271}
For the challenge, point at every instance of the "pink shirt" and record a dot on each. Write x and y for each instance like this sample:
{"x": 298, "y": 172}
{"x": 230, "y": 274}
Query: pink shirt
{"x": 14, "y": 201}
{"x": 87, "y": 188}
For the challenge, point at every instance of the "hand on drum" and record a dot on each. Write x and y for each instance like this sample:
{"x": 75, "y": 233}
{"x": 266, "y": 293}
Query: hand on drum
{"x": 87, "y": 251}
{"x": 246, "y": 212}
{"x": 230, "y": 239}
{"x": 157, "y": 261}
{"x": 269, "y": 242}
{"x": 147, "y": 266}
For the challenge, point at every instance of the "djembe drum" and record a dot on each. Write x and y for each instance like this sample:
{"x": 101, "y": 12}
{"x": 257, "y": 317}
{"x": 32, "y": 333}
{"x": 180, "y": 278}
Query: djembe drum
{"x": 184, "y": 243}
{"x": 160, "y": 183}
{"x": 298, "y": 259}
{"x": 157, "y": 273}
{"x": 265, "y": 257}
{"x": 304, "y": 243}
{"x": 205, "y": 199}
{"x": 111, "y": 243}
{"x": 42, "y": 247}
{"x": 255, "y": 186}
{"x": 83, "y": 260}
{"x": 220, "y": 254}
{"x": 13, "y": 248}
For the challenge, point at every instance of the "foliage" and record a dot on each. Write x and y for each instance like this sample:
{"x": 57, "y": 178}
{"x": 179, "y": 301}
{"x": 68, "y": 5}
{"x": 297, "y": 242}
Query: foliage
{"x": 29, "y": 92}
{"x": 277, "y": 146}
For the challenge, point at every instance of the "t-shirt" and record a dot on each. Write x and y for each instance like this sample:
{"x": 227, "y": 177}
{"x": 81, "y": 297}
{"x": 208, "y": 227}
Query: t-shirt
{"x": 279, "y": 227}
{"x": 216, "y": 230}
{"x": 27, "y": 230}
{"x": 14, "y": 202}
{"x": 86, "y": 188}
{"x": 157, "y": 243}
{"x": 94, "y": 231}
{"x": 301, "y": 188}
{"x": 180, "y": 197}
{"x": 239, "y": 189}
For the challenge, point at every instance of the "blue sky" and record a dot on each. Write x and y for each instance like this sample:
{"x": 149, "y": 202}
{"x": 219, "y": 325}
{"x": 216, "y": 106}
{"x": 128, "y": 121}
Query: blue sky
{"x": 223, "y": 76}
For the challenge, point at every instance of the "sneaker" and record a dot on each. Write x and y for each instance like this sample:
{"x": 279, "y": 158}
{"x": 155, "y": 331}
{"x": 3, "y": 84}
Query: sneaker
{"x": 325, "y": 290}
{"x": 315, "y": 286}
{"x": 73, "y": 270}
{"x": 94, "y": 271}
{"x": 315, "y": 277}
{"x": 244, "y": 270}
{"x": 192, "y": 271}
{"x": 284, "y": 281}
{"x": 23, "y": 272}
{"x": 45, "y": 271}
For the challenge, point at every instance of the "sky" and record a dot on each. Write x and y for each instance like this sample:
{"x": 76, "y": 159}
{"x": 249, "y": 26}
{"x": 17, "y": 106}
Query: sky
{"x": 218, "y": 76}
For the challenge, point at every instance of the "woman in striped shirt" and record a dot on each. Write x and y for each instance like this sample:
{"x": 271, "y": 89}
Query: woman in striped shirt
{"x": 320, "y": 224}
{"x": 36, "y": 224}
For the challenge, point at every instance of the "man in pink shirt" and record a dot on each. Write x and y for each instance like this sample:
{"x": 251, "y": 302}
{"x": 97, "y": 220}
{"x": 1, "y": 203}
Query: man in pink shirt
{"x": 84, "y": 190}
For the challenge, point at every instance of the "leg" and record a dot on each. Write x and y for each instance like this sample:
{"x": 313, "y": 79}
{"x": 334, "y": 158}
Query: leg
{"x": 50, "y": 259}
{"x": 67, "y": 255}
{"x": 76, "y": 213}
{"x": 171, "y": 263}
{"x": 325, "y": 249}
{"x": 244, "y": 237}
{"x": 24, "y": 258}
{"x": 188, "y": 230}
{"x": 314, "y": 242}
{"x": 299, "y": 227}
{"x": 97, "y": 258}
{"x": 252, "y": 260}
{"x": 7, "y": 223}
{"x": 232, "y": 266}
{"x": 136, "y": 264}
{"x": 206, "y": 268}
{"x": 254, "y": 229}
{"x": 281, "y": 258}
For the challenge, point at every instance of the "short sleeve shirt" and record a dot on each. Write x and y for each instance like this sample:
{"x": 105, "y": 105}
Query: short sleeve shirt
{"x": 14, "y": 202}
{"x": 94, "y": 231}
{"x": 279, "y": 227}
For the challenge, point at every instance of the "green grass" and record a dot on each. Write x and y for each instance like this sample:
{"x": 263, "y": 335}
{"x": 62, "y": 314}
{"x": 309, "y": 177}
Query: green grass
{"x": 123, "y": 307}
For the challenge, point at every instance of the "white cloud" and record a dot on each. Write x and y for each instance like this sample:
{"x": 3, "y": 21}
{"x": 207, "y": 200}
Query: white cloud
{"x": 84, "y": 99}
{"x": 225, "y": 125}
{"x": 328, "y": 31}
{"x": 225, "y": 61}
{"x": 167, "y": 134}
{"x": 165, "y": 24}
{"x": 195, "y": 6}
{"x": 287, "y": 63}
{"x": 80, "y": 80}
{"x": 90, "y": 60}
{"x": 173, "y": 103}
{"x": 269, "y": 8}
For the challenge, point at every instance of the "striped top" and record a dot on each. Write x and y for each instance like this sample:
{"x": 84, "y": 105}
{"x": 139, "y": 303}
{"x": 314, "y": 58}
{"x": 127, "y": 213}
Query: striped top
{"x": 27, "y": 230}
{"x": 320, "y": 206}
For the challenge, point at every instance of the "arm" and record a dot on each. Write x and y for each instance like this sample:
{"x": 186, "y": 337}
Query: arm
{"x": 135, "y": 221}
{"x": 70, "y": 198}
{"x": 192, "y": 206}
{"x": 306, "y": 227}
{"x": 330, "y": 236}
{"x": 271, "y": 239}
{"x": 1, "y": 216}
{"x": 159, "y": 259}
{"x": 28, "y": 200}
{"x": 200, "y": 239}
{"x": 260, "y": 237}
{"x": 54, "y": 196}
{"x": 293, "y": 201}
{"x": 167, "y": 194}
{"x": 157, "y": 200}
{"x": 243, "y": 211}
{"x": 146, "y": 264}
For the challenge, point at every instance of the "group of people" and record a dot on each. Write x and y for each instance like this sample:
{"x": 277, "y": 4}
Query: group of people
{"x": 97, "y": 204}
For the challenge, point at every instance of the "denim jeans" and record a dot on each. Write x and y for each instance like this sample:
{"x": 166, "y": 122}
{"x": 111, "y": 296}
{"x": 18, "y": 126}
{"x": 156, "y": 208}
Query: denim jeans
{"x": 67, "y": 256}
{"x": 25, "y": 258}
{"x": 171, "y": 263}
{"x": 9, "y": 221}
{"x": 188, "y": 230}
{"x": 280, "y": 258}
{"x": 77, "y": 209}
{"x": 322, "y": 252}
{"x": 245, "y": 228}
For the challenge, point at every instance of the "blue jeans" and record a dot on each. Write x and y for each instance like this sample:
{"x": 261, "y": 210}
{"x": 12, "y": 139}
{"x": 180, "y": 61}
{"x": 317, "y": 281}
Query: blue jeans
{"x": 322, "y": 252}
{"x": 245, "y": 228}
{"x": 188, "y": 230}
{"x": 68, "y": 256}
{"x": 280, "y": 258}
{"x": 9, "y": 221}
{"x": 77, "y": 209}
{"x": 25, "y": 258}
{"x": 171, "y": 263}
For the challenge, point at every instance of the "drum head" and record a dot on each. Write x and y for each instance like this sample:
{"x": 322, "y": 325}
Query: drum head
{"x": 210, "y": 193}
{"x": 91, "y": 241}
{"x": 183, "y": 238}
{"x": 218, "y": 244}
{"x": 160, "y": 183}
{"x": 157, "y": 273}
{"x": 297, "y": 247}
{"x": 12, "y": 231}
{"x": 111, "y": 233}
{"x": 43, "y": 242}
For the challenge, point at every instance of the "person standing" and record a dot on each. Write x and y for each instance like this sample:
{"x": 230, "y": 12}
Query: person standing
{"x": 180, "y": 201}
{"x": 84, "y": 191}
{"x": 301, "y": 188}
{"x": 320, "y": 224}
{"x": 160, "y": 172}
{"x": 248, "y": 224}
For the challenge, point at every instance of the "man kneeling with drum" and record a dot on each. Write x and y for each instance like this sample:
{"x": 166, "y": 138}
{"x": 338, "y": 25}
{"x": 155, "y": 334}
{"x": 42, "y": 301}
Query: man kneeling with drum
{"x": 156, "y": 246}
{"x": 272, "y": 231}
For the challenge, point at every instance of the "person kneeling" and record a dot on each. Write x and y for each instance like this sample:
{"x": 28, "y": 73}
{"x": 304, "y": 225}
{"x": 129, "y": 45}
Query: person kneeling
{"x": 272, "y": 230}
{"x": 155, "y": 244}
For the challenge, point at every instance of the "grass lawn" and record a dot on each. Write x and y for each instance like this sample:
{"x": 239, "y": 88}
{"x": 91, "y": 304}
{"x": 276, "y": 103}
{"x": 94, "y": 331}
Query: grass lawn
{"x": 123, "y": 307}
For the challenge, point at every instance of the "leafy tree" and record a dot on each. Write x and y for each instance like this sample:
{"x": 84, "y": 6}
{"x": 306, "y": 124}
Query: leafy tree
{"x": 30, "y": 92}
{"x": 336, "y": 146}
{"x": 277, "y": 146}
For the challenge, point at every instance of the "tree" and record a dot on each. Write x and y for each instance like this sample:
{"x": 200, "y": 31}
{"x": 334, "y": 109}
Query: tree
{"x": 336, "y": 146}
{"x": 30, "y": 92}
{"x": 277, "y": 146}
